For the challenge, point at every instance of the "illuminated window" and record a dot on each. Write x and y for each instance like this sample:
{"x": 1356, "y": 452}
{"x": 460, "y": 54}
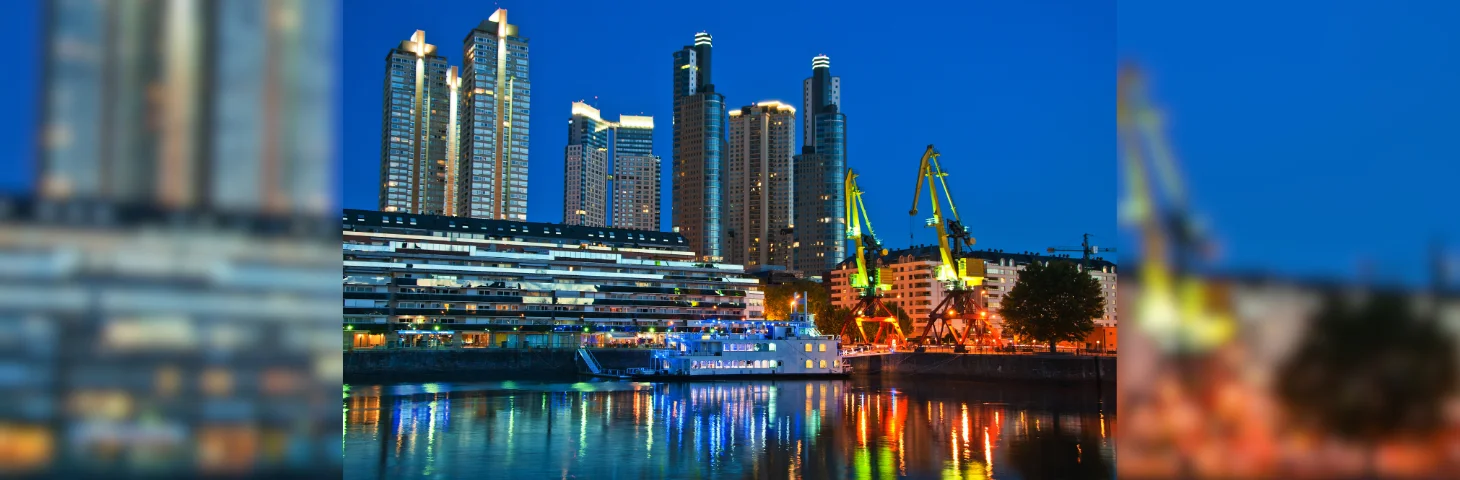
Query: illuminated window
{"x": 808, "y": 348}
{"x": 808, "y": 363}
{"x": 822, "y": 348}
{"x": 823, "y": 364}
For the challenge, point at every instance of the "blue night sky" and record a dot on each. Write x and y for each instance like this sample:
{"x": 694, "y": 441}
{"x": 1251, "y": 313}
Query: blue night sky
{"x": 1314, "y": 134}
{"x": 1016, "y": 95}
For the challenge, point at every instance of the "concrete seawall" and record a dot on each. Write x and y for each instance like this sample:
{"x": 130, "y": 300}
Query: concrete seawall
{"x": 989, "y": 367}
{"x": 484, "y": 361}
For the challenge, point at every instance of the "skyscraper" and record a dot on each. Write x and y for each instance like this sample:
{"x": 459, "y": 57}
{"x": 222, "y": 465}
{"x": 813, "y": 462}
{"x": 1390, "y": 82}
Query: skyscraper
{"x": 698, "y": 155}
{"x": 494, "y": 128}
{"x": 820, "y": 170}
{"x": 635, "y": 174}
{"x": 416, "y": 127}
{"x": 189, "y": 104}
{"x": 585, "y": 168}
{"x": 758, "y": 182}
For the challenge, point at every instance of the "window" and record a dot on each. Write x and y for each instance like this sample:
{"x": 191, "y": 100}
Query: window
{"x": 822, "y": 347}
{"x": 823, "y": 364}
{"x": 808, "y": 348}
{"x": 808, "y": 363}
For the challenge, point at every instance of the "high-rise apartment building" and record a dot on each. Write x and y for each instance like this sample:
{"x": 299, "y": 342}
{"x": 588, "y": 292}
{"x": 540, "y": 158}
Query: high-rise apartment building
{"x": 635, "y": 174}
{"x": 416, "y": 129}
{"x": 189, "y": 104}
{"x": 820, "y": 172}
{"x": 916, "y": 289}
{"x": 585, "y": 168}
{"x": 759, "y": 201}
{"x": 494, "y": 121}
{"x": 698, "y": 155}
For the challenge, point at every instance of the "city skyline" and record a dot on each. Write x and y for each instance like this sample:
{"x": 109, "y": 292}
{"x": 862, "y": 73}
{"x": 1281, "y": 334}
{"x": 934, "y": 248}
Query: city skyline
{"x": 631, "y": 81}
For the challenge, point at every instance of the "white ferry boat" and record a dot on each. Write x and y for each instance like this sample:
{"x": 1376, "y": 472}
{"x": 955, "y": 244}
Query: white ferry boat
{"x": 765, "y": 349}
{"x": 779, "y": 349}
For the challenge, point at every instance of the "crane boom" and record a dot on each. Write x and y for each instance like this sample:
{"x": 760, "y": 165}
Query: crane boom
{"x": 953, "y": 237}
{"x": 856, "y": 217}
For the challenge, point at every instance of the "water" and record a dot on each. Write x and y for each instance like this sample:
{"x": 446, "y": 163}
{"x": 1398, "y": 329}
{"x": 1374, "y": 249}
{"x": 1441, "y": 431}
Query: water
{"x": 855, "y": 428}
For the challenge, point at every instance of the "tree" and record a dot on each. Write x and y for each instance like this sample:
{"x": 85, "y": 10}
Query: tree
{"x": 1369, "y": 374}
{"x": 1053, "y": 302}
{"x": 831, "y": 323}
{"x": 778, "y": 299}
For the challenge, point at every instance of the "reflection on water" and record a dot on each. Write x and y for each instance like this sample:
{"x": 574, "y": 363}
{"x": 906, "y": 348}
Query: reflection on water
{"x": 815, "y": 429}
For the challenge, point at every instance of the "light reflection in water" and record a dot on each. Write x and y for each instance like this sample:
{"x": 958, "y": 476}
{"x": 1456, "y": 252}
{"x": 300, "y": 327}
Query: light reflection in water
{"x": 844, "y": 429}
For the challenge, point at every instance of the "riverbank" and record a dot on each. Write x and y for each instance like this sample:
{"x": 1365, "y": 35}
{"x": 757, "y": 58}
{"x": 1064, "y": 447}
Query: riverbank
{"x": 1024, "y": 367}
{"x": 497, "y": 362}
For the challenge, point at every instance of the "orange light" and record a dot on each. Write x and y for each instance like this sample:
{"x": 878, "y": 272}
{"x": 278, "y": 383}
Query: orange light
{"x": 983, "y": 314}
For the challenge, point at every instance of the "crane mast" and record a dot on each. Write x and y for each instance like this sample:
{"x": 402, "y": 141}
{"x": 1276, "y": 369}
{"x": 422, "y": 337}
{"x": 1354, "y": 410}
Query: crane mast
{"x": 965, "y": 298}
{"x": 867, "y": 280}
{"x": 1173, "y": 305}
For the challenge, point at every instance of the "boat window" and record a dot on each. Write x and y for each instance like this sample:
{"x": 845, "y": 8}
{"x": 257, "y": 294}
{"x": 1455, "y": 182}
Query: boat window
{"x": 773, "y": 347}
{"x": 822, "y": 347}
{"x": 808, "y": 348}
{"x": 823, "y": 364}
{"x": 808, "y": 363}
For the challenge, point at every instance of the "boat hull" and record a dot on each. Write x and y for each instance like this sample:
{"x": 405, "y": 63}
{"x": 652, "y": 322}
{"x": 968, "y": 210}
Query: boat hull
{"x": 736, "y": 376}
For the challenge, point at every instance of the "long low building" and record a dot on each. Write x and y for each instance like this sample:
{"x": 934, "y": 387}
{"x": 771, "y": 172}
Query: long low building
{"x": 427, "y": 281}
{"x": 916, "y": 290}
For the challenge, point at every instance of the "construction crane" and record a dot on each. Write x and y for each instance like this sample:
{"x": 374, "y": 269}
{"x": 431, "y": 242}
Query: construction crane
{"x": 965, "y": 298}
{"x": 1174, "y": 305}
{"x": 1085, "y": 249}
{"x": 867, "y": 281}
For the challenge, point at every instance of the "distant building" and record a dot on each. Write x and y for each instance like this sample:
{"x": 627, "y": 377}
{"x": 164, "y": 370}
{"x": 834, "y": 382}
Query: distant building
{"x": 585, "y": 168}
{"x": 494, "y": 121}
{"x": 820, "y": 209}
{"x": 916, "y": 289}
{"x": 699, "y": 151}
{"x": 416, "y": 127}
{"x": 189, "y": 104}
{"x": 633, "y": 184}
{"x": 636, "y": 173}
{"x": 418, "y": 280}
{"x": 759, "y": 214}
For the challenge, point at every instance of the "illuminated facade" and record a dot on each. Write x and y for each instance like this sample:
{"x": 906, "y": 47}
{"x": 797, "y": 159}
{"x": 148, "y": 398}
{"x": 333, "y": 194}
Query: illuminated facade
{"x": 635, "y": 174}
{"x": 491, "y": 283}
{"x": 585, "y": 168}
{"x": 916, "y": 289}
{"x": 820, "y": 170}
{"x": 188, "y": 104}
{"x": 494, "y": 121}
{"x": 698, "y": 155}
{"x": 758, "y": 185}
{"x": 416, "y": 155}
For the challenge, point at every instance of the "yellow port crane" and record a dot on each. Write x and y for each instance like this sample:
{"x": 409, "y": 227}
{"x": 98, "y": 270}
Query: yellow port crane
{"x": 1174, "y": 306}
{"x": 965, "y": 298}
{"x": 867, "y": 280}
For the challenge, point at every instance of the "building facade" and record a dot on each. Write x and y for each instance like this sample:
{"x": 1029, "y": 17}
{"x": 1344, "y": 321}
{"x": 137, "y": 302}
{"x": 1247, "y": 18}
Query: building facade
{"x": 698, "y": 153}
{"x": 820, "y": 172}
{"x": 465, "y": 282}
{"x": 494, "y": 121}
{"x": 240, "y": 119}
{"x": 415, "y": 152}
{"x": 758, "y": 218}
{"x": 635, "y": 174}
{"x": 916, "y": 289}
{"x": 585, "y": 168}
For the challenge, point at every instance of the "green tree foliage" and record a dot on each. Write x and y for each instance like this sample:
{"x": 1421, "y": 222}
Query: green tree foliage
{"x": 1053, "y": 303}
{"x": 1370, "y": 373}
{"x": 778, "y": 298}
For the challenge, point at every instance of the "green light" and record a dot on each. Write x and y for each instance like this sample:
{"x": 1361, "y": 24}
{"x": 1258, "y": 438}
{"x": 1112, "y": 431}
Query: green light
{"x": 349, "y": 327}
{"x": 438, "y": 327}
{"x": 651, "y": 329}
{"x": 585, "y": 329}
